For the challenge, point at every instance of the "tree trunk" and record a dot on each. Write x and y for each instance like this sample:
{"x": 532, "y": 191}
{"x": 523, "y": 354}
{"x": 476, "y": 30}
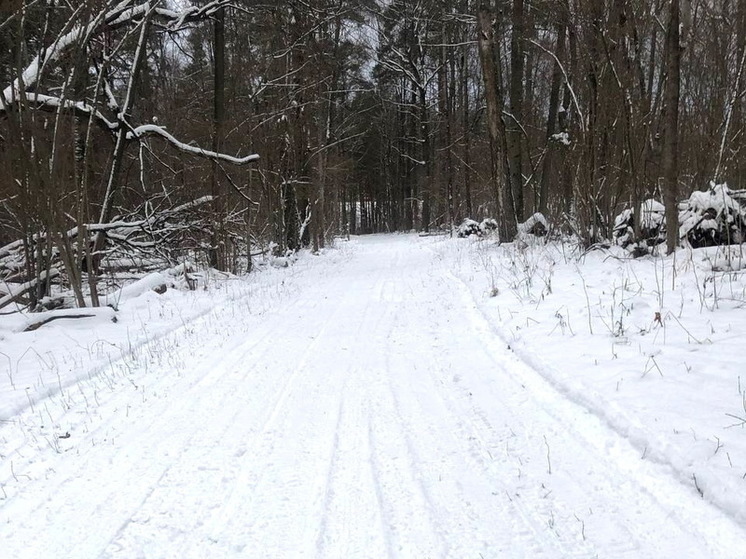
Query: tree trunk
{"x": 554, "y": 104}
{"x": 427, "y": 159}
{"x": 466, "y": 131}
{"x": 495, "y": 125}
{"x": 218, "y": 249}
{"x": 318, "y": 203}
{"x": 514, "y": 133}
{"x": 671, "y": 127}
{"x": 445, "y": 131}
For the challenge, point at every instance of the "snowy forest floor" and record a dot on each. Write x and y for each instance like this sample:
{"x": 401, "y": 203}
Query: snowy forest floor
{"x": 397, "y": 396}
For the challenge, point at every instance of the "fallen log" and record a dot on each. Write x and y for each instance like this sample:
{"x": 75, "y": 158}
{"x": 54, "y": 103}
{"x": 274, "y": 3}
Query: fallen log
{"x": 17, "y": 292}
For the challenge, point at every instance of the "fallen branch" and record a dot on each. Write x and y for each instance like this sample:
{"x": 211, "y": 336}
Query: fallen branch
{"x": 146, "y": 235}
{"x": 36, "y": 325}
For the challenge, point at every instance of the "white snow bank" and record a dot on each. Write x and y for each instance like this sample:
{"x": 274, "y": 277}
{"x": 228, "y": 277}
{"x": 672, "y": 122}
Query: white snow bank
{"x": 143, "y": 285}
{"x": 20, "y": 322}
{"x": 48, "y": 362}
{"x": 652, "y": 346}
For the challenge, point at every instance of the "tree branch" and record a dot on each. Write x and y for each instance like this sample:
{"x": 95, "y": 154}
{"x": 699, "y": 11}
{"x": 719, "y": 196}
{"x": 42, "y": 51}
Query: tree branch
{"x": 152, "y": 129}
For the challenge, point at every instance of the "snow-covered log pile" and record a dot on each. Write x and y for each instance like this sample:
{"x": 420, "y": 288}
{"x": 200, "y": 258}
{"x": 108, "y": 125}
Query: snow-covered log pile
{"x": 714, "y": 217}
{"x": 652, "y": 226}
{"x": 470, "y": 227}
{"x": 535, "y": 225}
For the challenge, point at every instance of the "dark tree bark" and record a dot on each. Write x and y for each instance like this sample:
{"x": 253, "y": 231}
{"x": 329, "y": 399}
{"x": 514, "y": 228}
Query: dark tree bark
{"x": 444, "y": 104}
{"x": 466, "y": 130}
{"x": 495, "y": 126}
{"x": 218, "y": 249}
{"x": 671, "y": 127}
{"x": 514, "y": 132}
{"x": 547, "y": 174}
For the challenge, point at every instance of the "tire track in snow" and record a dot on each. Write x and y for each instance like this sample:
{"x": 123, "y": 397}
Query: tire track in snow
{"x": 441, "y": 500}
{"x": 352, "y": 524}
{"x": 236, "y": 499}
{"x": 262, "y": 480}
{"x": 331, "y": 473}
{"x": 443, "y": 444}
{"x": 343, "y": 494}
{"x": 717, "y": 535}
{"x": 177, "y": 438}
{"x": 477, "y": 437}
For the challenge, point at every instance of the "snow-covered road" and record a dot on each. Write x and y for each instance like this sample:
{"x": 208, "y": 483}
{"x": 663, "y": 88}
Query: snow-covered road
{"x": 374, "y": 414}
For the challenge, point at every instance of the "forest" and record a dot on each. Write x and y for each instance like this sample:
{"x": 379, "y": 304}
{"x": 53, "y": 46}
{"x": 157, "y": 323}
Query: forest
{"x": 137, "y": 135}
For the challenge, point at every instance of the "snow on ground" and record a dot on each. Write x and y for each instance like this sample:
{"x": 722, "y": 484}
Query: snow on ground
{"x": 653, "y": 346}
{"x": 396, "y": 397}
{"x": 40, "y": 364}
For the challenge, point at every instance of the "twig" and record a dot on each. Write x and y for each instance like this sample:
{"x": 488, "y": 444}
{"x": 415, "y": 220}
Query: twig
{"x": 741, "y": 421}
{"x": 696, "y": 485}
{"x": 587, "y": 303}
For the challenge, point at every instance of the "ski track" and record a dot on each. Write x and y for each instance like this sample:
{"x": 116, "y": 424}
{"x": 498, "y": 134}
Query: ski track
{"x": 373, "y": 415}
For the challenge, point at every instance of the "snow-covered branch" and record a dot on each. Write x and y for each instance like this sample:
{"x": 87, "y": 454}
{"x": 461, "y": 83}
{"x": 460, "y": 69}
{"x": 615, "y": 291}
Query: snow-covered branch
{"x": 118, "y": 14}
{"x": 152, "y": 129}
{"x": 80, "y": 108}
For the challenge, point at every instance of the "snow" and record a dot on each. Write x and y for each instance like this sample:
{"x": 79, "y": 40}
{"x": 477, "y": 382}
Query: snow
{"x": 650, "y": 346}
{"x": 398, "y": 396}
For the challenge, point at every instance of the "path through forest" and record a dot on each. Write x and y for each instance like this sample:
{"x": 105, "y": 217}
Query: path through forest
{"x": 374, "y": 415}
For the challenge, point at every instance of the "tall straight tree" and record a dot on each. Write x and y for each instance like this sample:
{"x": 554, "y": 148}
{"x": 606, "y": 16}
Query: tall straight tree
{"x": 494, "y": 98}
{"x": 217, "y": 252}
{"x": 671, "y": 125}
{"x": 514, "y": 126}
